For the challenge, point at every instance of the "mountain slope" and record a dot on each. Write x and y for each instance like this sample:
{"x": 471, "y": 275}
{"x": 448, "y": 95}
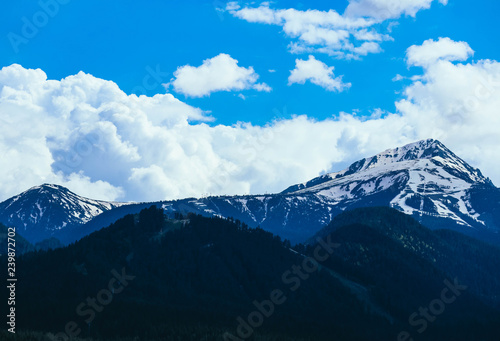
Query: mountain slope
{"x": 190, "y": 274}
{"x": 407, "y": 266}
{"x": 43, "y": 211}
{"x": 193, "y": 277}
{"x": 454, "y": 254}
{"x": 20, "y": 244}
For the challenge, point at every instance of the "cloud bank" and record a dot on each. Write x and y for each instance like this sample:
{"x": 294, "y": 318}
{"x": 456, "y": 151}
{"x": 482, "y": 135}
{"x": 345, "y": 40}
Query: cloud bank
{"x": 87, "y": 134}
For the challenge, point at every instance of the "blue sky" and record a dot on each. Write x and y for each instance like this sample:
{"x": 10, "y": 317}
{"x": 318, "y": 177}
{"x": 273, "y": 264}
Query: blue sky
{"x": 118, "y": 40}
{"x": 325, "y": 102}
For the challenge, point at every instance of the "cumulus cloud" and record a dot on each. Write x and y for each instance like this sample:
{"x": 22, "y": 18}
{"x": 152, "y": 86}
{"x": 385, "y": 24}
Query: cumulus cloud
{"x": 317, "y": 73}
{"x": 78, "y": 131}
{"x": 349, "y": 36}
{"x": 87, "y": 134}
{"x": 460, "y": 99}
{"x": 443, "y": 49}
{"x": 220, "y": 73}
{"x": 313, "y": 30}
{"x": 387, "y": 9}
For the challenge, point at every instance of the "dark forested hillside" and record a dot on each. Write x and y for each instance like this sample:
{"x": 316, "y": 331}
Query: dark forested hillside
{"x": 451, "y": 252}
{"x": 189, "y": 274}
{"x": 198, "y": 278}
{"x": 21, "y": 244}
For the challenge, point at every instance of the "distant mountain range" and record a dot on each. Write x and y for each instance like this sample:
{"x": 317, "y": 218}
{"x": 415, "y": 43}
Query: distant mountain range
{"x": 424, "y": 179}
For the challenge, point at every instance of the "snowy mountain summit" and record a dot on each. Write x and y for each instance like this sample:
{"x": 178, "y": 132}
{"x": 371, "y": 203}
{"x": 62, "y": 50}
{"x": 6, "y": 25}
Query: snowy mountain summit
{"x": 431, "y": 180}
{"x": 43, "y": 210}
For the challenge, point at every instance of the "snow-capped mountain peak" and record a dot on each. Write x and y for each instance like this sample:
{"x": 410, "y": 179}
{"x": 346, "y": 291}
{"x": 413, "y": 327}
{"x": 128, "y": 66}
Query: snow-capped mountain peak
{"x": 432, "y": 152}
{"x": 42, "y": 210}
{"x": 430, "y": 149}
{"x": 424, "y": 177}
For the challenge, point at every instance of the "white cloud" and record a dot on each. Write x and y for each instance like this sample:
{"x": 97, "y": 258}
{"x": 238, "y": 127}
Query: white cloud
{"x": 232, "y": 5}
{"x": 220, "y": 73}
{"x": 348, "y": 36}
{"x": 366, "y": 48}
{"x": 370, "y": 35}
{"x": 312, "y": 30}
{"x": 398, "y": 78}
{"x": 387, "y": 9}
{"x": 77, "y": 130}
{"x": 317, "y": 73}
{"x": 262, "y": 87}
{"x": 85, "y": 133}
{"x": 262, "y": 14}
{"x": 443, "y": 49}
{"x": 460, "y": 100}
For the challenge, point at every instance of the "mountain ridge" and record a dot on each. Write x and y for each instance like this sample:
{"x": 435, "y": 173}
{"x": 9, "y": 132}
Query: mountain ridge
{"x": 423, "y": 179}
